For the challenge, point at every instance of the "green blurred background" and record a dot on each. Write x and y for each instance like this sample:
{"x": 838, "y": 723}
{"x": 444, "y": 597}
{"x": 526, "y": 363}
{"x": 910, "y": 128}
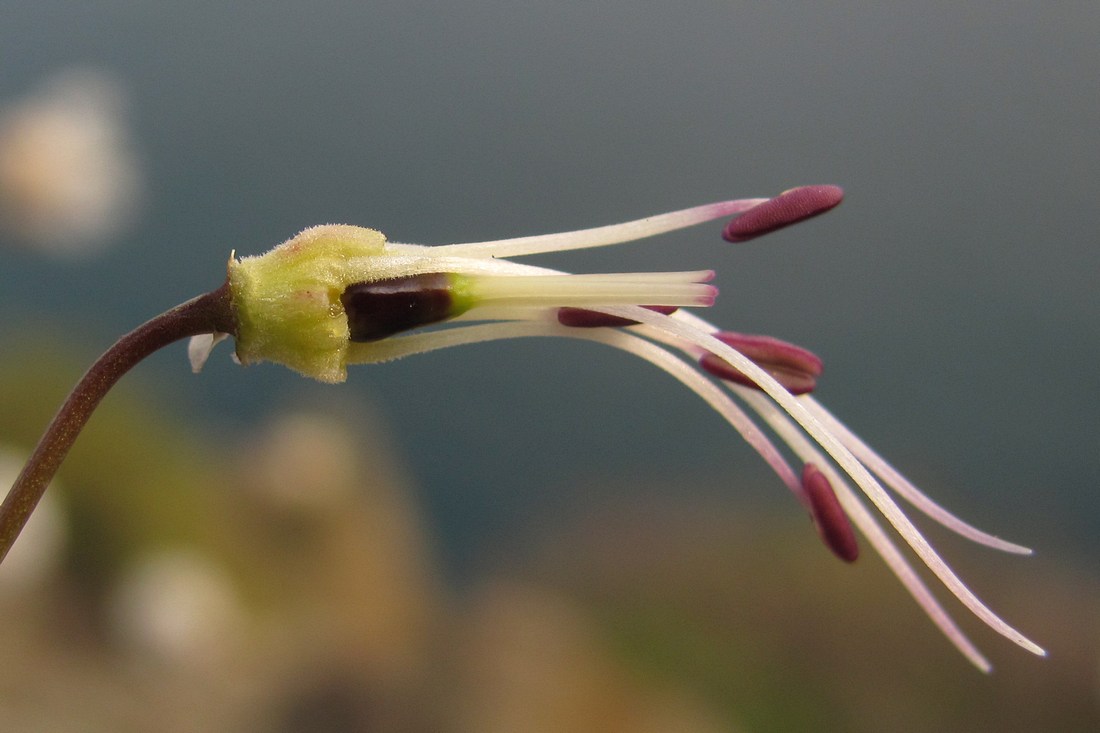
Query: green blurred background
{"x": 589, "y": 514}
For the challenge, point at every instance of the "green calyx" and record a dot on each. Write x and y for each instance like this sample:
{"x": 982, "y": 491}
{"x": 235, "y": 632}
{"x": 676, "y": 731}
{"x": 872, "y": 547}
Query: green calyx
{"x": 287, "y": 301}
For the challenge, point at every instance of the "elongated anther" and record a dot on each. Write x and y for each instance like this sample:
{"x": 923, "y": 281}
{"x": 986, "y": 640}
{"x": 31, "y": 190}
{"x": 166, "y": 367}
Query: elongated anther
{"x": 829, "y": 517}
{"x": 789, "y": 207}
{"x": 794, "y": 367}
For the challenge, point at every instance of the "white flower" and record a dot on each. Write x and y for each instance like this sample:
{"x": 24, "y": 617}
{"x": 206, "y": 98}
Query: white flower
{"x": 339, "y": 295}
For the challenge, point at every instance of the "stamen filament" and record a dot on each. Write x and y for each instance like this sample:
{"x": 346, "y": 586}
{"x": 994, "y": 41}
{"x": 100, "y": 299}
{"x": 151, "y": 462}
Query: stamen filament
{"x": 779, "y": 421}
{"x": 679, "y": 326}
{"x": 905, "y": 488}
{"x": 419, "y": 343}
{"x": 783, "y": 426}
{"x": 600, "y": 236}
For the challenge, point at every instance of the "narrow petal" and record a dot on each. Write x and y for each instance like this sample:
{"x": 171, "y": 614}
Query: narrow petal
{"x": 199, "y": 348}
{"x": 655, "y": 288}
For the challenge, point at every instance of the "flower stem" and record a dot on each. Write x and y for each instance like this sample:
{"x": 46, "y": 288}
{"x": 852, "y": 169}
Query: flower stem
{"x": 212, "y": 312}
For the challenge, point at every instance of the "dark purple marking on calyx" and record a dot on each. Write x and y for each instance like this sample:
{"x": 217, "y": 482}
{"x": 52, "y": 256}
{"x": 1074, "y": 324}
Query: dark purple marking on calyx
{"x": 382, "y": 308}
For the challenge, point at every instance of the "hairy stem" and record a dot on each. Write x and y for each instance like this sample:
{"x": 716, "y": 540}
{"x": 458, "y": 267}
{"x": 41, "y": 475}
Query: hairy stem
{"x": 212, "y": 312}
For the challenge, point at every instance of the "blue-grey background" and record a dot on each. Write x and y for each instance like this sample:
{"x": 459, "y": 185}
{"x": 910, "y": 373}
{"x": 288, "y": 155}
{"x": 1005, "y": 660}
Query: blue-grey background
{"x": 953, "y": 295}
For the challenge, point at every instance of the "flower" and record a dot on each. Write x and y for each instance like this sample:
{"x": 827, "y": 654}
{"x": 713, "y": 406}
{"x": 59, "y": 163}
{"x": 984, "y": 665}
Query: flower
{"x": 338, "y": 295}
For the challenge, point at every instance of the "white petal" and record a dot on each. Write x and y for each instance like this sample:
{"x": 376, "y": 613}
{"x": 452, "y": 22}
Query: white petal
{"x": 199, "y": 348}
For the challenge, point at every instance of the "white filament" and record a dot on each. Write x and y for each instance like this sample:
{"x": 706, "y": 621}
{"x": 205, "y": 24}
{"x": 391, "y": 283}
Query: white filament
{"x": 781, "y": 423}
{"x": 395, "y": 348}
{"x": 691, "y": 332}
{"x": 600, "y": 236}
{"x": 905, "y": 488}
{"x": 681, "y": 326}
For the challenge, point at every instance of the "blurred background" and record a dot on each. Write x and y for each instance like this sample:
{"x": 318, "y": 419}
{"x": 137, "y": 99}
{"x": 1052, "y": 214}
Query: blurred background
{"x": 470, "y": 540}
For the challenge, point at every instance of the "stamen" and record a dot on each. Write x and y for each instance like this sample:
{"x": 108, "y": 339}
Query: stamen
{"x": 794, "y": 367}
{"x": 785, "y": 428}
{"x": 600, "y": 236}
{"x": 829, "y": 517}
{"x": 431, "y": 340}
{"x": 583, "y": 318}
{"x": 789, "y": 207}
{"x": 905, "y": 488}
{"x": 681, "y": 326}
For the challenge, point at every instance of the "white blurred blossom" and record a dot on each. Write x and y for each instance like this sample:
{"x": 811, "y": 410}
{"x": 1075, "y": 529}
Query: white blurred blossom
{"x": 179, "y": 607}
{"x": 69, "y": 178}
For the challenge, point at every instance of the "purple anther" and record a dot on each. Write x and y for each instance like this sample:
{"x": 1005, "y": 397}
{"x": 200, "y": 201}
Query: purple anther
{"x": 829, "y": 517}
{"x": 789, "y": 207}
{"x": 796, "y": 368}
{"x": 583, "y": 318}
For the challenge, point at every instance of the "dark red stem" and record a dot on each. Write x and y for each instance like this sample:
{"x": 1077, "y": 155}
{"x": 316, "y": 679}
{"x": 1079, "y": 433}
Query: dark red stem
{"x": 209, "y": 313}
